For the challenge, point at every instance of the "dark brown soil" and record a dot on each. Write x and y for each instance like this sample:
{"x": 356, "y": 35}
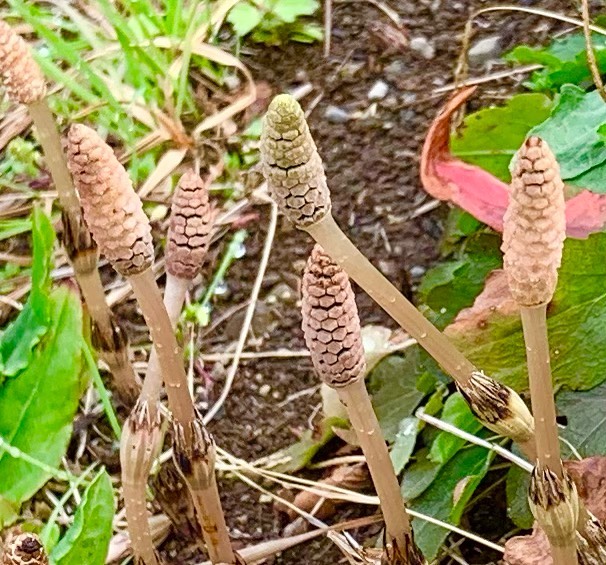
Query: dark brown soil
{"x": 372, "y": 168}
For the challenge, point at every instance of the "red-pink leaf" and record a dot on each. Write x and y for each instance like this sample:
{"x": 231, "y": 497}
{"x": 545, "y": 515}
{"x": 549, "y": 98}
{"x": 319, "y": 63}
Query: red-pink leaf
{"x": 481, "y": 194}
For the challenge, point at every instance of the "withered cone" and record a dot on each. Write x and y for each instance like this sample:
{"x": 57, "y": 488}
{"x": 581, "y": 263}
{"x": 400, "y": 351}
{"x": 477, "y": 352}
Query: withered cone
{"x": 330, "y": 321}
{"x": 24, "y": 549}
{"x": 534, "y": 226}
{"x": 190, "y": 227}
{"x": 112, "y": 209}
{"x": 20, "y": 74}
{"x": 291, "y": 163}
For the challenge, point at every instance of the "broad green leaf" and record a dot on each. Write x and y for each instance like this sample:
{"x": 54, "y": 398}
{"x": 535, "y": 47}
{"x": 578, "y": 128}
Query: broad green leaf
{"x": 518, "y": 510}
{"x": 18, "y": 341}
{"x": 576, "y": 321}
{"x": 87, "y": 540}
{"x": 289, "y": 10}
{"x": 419, "y": 475}
{"x": 491, "y": 136}
{"x": 244, "y": 17}
{"x": 394, "y": 385}
{"x": 37, "y": 407}
{"x": 586, "y": 419}
{"x": 459, "y": 477}
{"x": 456, "y": 412}
{"x": 453, "y": 285}
{"x": 305, "y": 32}
{"x": 564, "y": 61}
{"x": 13, "y": 227}
{"x": 572, "y": 133}
{"x": 404, "y": 443}
{"x": 301, "y": 453}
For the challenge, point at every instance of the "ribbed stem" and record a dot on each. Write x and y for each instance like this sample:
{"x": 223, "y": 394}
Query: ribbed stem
{"x": 328, "y": 234}
{"x": 364, "y": 422}
{"x": 168, "y": 351}
{"x": 116, "y": 356}
{"x": 142, "y": 541}
{"x": 534, "y": 323}
{"x": 174, "y": 298}
{"x": 214, "y": 529}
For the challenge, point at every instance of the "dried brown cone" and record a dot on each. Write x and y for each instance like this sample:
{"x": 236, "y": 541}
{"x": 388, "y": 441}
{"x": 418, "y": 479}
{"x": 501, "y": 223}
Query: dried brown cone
{"x": 330, "y": 321}
{"x": 190, "y": 227}
{"x": 534, "y": 224}
{"x": 291, "y": 163}
{"x": 112, "y": 209}
{"x": 21, "y": 75}
{"x": 24, "y": 549}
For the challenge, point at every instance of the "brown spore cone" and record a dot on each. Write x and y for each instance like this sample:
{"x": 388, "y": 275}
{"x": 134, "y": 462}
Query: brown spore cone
{"x": 190, "y": 227}
{"x": 112, "y": 209}
{"x": 24, "y": 549}
{"x": 291, "y": 163}
{"x": 330, "y": 321}
{"x": 20, "y": 74}
{"x": 534, "y": 225}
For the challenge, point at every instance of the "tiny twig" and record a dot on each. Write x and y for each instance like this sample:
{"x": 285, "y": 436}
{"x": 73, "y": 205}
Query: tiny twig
{"x": 591, "y": 58}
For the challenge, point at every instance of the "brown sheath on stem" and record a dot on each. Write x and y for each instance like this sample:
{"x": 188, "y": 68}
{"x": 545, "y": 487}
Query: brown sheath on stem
{"x": 297, "y": 182}
{"x": 138, "y": 448}
{"x": 25, "y": 84}
{"x": 114, "y": 213}
{"x": 23, "y": 549}
{"x": 333, "y": 335}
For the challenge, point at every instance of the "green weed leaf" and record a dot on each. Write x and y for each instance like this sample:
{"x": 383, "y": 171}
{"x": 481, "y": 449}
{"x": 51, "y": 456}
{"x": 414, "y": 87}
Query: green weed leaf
{"x": 455, "y": 412}
{"x": 516, "y": 489}
{"x": 491, "y": 136}
{"x": 586, "y": 420}
{"x": 394, "y": 389}
{"x": 572, "y": 133}
{"x": 20, "y": 338}
{"x": 87, "y": 540}
{"x": 244, "y": 17}
{"x": 419, "y": 475}
{"x": 404, "y": 443}
{"x": 458, "y": 478}
{"x": 564, "y": 61}
{"x": 37, "y": 407}
{"x": 576, "y": 321}
{"x": 289, "y": 10}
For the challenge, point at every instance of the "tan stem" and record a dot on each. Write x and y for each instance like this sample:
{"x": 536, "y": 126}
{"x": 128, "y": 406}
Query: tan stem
{"x": 174, "y": 298}
{"x": 564, "y": 554}
{"x": 117, "y": 357}
{"x": 328, "y": 234}
{"x": 168, "y": 351}
{"x": 86, "y": 271}
{"x": 365, "y": 423}
{"x": 53, "y": 152}
{"x": 138, "y": 525}
{"x": 212, "y": 520}
{"x": 534, "y": 323}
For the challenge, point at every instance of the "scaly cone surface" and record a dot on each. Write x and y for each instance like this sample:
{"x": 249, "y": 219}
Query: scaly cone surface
{"x": 534, "y": 225}
{"x": 112, "y": 209}
{"x": 190, "y": 227}
{"x": 291, "y": 163}
{"x": 23, "y": 549}
{"x": 20, "y": 74}
{"x": 330, "y": 321}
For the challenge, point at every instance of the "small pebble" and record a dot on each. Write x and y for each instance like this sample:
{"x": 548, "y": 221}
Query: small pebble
{"x": 336, "y": 115}
{"x": 421, "y": 45}
{"x": 417, "y": 271}
{"x": 485, "y": 50}
{"x": 264, "y": 390}
{"x": 232, "y": 82}
{"x": 378, "y": 91}
{"x": 394, "y": 70}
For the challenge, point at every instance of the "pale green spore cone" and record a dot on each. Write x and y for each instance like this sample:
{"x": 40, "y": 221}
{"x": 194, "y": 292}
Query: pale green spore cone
{"x": 291, "y": 163}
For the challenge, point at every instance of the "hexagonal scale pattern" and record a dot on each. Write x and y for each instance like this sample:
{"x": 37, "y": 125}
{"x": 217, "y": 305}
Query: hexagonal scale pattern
{"x": 330, "y": 321}
{"x": 534, "y": 224}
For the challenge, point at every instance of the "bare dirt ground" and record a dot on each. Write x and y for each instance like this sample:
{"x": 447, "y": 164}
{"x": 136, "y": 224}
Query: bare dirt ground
{"x": 372, "y": 169}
